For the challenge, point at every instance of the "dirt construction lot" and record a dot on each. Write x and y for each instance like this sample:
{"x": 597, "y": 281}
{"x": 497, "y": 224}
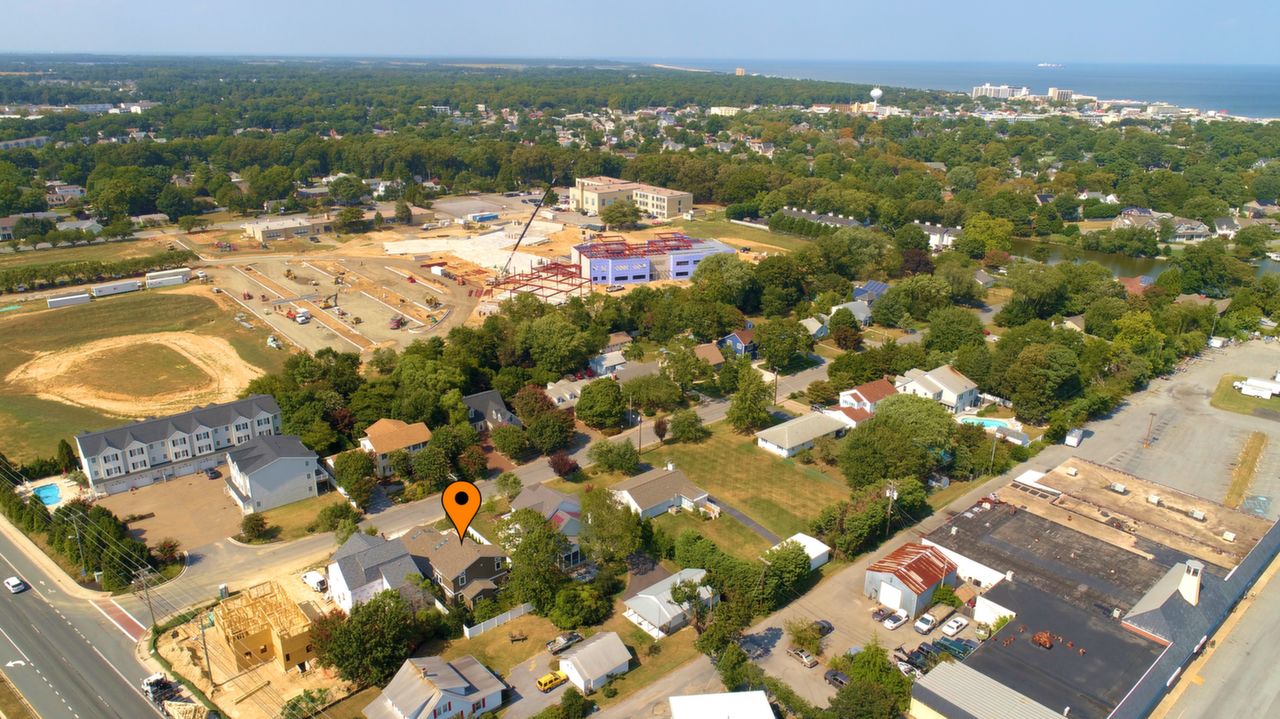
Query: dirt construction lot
{"x": 175, "y": 504}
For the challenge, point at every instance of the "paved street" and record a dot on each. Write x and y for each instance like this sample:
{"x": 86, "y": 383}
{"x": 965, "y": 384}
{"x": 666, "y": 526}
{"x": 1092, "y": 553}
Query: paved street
{"x": 61, "y": 659}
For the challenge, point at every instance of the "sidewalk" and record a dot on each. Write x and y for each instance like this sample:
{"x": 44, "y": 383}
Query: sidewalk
{"x": 47, "y": 565}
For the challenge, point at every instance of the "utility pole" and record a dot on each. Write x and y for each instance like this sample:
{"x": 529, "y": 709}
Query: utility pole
{"x": 146, "y": 593}
{"x": 80, "y": 546}
{"x": 892, "y": 493}
{"x": 1150, "y": 423}
{"x": 208, "y": 668}
{"x": 992, "y": 464}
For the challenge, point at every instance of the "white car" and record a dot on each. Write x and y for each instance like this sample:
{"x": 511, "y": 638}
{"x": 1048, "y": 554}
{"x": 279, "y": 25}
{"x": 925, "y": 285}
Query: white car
{"x": 14, "y": 585}
{"x": 955, "y": 626}
{"x": 895, "y": 620}
{"x": 925, "y": 623}
{"x": 316, "y": 581}
{"x": 908, "y": 670}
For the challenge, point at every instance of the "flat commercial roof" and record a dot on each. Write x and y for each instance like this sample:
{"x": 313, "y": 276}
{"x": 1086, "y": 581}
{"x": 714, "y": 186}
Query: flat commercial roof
{"x": 1058, "y": 559}
{"x": 1093, "y": 661}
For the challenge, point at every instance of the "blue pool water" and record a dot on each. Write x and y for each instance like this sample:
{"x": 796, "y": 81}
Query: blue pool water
{"x": 987, "y": 422}
{"x": 50, "y": 494}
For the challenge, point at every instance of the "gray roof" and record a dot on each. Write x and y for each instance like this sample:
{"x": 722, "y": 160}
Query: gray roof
{"x": 653, "y": 603}
{"x": 364, "y": 559}
{"x": 957, "y": 691}
{"x": 805, "y": 428}
{"x": 560, "y": 509}
{"x": 417, "y": 687}
{"x": 265, "y": 449}
{"x": 659, "y": 485}
{"x": 635, "y": 370}
{"x": 443, "y": 552}
{"x": 155, "y": 430}
{"x": 598, "y": 655}
{"x": 488, "y": 405}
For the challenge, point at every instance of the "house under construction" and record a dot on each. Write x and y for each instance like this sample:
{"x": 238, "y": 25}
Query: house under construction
{"x": 262, "y": 624}
{"x": 554, "y": 282}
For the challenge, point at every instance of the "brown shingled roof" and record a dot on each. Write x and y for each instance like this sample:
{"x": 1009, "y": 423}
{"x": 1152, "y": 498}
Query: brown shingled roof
{"x": 875, "y": 390}
{"x": 388, "y": 435}
{"x": 918, "y": 566}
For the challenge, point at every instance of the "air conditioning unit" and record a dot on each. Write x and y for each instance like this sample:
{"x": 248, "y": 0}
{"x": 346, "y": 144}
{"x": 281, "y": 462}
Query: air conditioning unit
{"x": 1153, "y": 499}
{"x": 1196, "y": 515}
{"x": 1072, "y": 471}
{"x": 1229, "y": 536}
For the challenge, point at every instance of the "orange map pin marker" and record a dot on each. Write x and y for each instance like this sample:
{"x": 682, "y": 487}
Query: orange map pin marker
{"x": 461, "y": 500}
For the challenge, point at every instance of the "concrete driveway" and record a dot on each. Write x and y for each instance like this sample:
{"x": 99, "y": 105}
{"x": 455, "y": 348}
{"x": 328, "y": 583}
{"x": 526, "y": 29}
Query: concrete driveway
{"x": 526, "y": 699}
{"x": 173, "y": 502}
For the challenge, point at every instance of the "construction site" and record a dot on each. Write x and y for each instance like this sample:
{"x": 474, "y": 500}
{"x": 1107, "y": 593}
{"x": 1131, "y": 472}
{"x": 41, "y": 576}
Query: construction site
{"x": 252, "y": 652}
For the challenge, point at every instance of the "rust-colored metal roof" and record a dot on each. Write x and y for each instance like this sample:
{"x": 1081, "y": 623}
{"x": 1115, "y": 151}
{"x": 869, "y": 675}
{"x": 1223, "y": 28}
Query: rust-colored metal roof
{"x": 916, "y": 565}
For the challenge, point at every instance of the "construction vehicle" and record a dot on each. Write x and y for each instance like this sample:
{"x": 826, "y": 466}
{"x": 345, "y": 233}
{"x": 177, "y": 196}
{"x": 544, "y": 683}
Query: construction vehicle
{"x": 329, "y": 302}
{"x": 412, "y": 280}
{"x": 290, "y": 314}
{"x": 288, "y": 273}
{"x": 396, "y": 322}
{"x": 356, "y": 320}
{"x": 264, "y": 298}
{"x": 248, "y": 296}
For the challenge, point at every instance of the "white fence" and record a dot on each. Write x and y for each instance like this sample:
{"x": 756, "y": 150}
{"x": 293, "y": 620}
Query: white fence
{"x": 497, "y": 621}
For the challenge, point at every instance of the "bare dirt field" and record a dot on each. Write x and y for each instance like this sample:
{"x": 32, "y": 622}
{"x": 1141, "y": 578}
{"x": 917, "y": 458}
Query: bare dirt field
{"x": 174, "y": 503}
{"x": 217, "y": 371}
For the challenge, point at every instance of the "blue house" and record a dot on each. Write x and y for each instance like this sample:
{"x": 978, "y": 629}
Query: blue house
{"x": 870, "y": 291}
{"x": 742, "y": 342}
{"x": 907, "y": 577}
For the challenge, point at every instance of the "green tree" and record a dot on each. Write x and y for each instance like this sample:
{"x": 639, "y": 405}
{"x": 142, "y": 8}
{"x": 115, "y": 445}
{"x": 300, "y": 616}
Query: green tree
{"x": 191, "y": 223}
{"x": 623, "y": 213}
{"x": 509, "y": 485}
{"x": 601, "y": 405}
{"x": 620, "y": 456}
{"x": 352, "y": 466}
{"x": 688, "y": 596}
{"x": 684, "y": 367}
{"x": 535, "y": 546}
{"x": 432, "y": 466}
{"x": 65, "y": 457}
{"x": 579, "y": 605}
{"x": 951, "y": 328}
{"x": 749, "y": 408}
{"x": 686, "y": 426}
{"x": 401, "y": 463}
{"x": 350, "y": 219}
{"x": 876, "y": 689}
{"x": 550, "y": 431}
{"x": 369, "y": 646}
{"x": 253, "y": 527}
{"x": 1253, "y": 241}
{"x": 1042, "y": 378}
{"x": 803, "y": 633}
{"x": 780, "y": 342}
{"x": 510, "y": 440}
{"x": 786, "y": 567}
{"x": 995, "y": 233}
{"x": 403, "y": 214}
{"x": 610, "y": 530}
{"x": 305, "y": 704}
{"x": 347, "y": 190}
{"x": 725, "y": 279}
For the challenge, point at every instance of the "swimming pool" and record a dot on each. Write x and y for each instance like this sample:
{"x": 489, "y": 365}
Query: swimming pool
{"x": 988, "y": 423}
{"x": 49, "y": 494}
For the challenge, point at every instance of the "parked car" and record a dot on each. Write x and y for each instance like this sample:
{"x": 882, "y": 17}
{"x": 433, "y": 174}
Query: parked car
{"x": 551, "y": 680}
{"x": 211, "y": 473}
{"x": 316, "y": 581}
{"x": 563, "y": 642}
{"x": 14, "y": 585}
{"x": 908, "y": 670}
{"x": 895, "y": 620}
{"x": 958, "y": 648}
{"x": 835, "y": 678}
{"x": 928, "y": 650}
{"x": 879, "y": 613}
{"x": 806, "y": 659}
{"x": 954, "y": 626}
{"x": 824, "y": 627}
{"x": 925, "y": 624}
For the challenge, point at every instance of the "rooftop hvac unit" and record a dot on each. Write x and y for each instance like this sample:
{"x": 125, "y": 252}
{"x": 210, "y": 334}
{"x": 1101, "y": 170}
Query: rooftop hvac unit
{"x": 1072, "y": 471}
{"x": 1153, "y": 499}
{"x": 1229, "y": 536}
{"x": 1117, "y": 488}
{"x": 1116, "y": 613}
{"x": 1196, "y": 515}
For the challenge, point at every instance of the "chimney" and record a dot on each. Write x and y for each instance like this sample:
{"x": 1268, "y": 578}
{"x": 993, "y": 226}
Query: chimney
{"x": 1189, "y": 587}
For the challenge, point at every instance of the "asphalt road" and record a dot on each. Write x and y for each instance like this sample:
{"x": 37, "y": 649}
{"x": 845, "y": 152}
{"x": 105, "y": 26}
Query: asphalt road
{"x": 46, "y": 652}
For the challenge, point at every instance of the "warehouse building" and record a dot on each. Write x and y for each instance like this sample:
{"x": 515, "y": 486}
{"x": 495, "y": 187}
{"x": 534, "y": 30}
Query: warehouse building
{"x": 293, "y": 227}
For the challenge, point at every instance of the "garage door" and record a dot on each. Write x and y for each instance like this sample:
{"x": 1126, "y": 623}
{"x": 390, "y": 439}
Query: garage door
{"x": 890, "y": 596}
{"x": 142, "y": 481}
{"x": 117, "y": 487}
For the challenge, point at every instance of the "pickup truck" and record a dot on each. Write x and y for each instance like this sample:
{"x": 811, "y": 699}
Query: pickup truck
{"x": 563, "y": 642}
{"x": 936, "y": 615}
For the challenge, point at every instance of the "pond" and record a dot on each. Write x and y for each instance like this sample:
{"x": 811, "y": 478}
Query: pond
{"x": 1120, "y": 265}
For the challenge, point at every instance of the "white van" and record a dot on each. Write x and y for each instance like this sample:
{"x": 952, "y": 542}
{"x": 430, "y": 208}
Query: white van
{"x": 316, "y": 581}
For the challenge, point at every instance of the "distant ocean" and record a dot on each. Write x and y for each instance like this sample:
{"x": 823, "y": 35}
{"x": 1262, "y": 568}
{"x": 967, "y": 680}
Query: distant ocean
{"x": 1247, "y": 90}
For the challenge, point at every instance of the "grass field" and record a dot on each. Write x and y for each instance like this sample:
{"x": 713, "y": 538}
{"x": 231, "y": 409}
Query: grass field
{"x": 495, "y": 649}
{"x": 714, "y": 226}
{"x": 353, "y": 706}
{"x": 32, "y": 426}
{"x": 293, "y": 519}
{"x": 11, "y": 706}
{"x": 106, "y": 252}
{"x": 728, "y": 533}
{"x": 1246, "y": 467}
{"x": 664, "y": 656}
{"x": 154, "y": 369}
{"x": 781, "y": 494}
{"x": 1229, "y": 398}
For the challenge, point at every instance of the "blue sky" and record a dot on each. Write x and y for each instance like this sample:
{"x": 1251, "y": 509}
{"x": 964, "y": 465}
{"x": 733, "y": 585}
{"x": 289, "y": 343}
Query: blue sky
{"x": 1144, "y": 31}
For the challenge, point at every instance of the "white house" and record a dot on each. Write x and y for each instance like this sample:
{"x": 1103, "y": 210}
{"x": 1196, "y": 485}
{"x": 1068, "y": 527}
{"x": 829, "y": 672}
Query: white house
{"x": 658, "y": 490}
{"x": 366, "y": 565}
{"x": 137, "y": 454}
{"x": 940, "y": 236}
{"x": 270, "y": 471}
{"x": 389, "y": 435}
{"x": 606, "y": 363}
{"x": 431, "y": 688}
{"x": 819, "y": 553}
{"x": 731, "y": 705}
{"x": 941, "y": 384}
{"x": 592, "y": 663}
{"x": 796, "y": 435}
{"x": 653, "y": 610}
{"x": 867, "y": 395}
{"x": 815, "y": 327}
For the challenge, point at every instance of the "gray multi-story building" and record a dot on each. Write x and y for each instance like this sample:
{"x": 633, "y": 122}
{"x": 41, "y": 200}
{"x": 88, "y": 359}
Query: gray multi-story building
{"x": 135, "y": 455}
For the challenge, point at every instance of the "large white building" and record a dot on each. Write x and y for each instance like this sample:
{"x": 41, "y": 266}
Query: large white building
{"x": 942, "y": 384}
{"x": 999, "y": 92}
{"x": 590, "y": 195}
{"x": 137, "y": 454}
{"x": 270, "y": 471}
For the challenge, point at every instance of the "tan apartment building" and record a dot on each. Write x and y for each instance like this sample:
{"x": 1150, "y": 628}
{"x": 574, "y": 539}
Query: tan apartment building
{"x": 293, "y": 227}
{"x": 590, "y": 195}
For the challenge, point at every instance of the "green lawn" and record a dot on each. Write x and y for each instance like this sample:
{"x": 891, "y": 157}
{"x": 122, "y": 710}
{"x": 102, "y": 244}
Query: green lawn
{"x": 667, "y": 654}
{"x": 155, "y": 369}
{"x": 107, "y": 252}
{"x": 293, "y": 519}
{"x": 353, "y": 706}
{"x": 728, "y": 533}
{"x": 781, "y": 494}
{"x": 495, "y": 649}
{"x": 32, "y": 426}
{"x": 1229, "y": 398}
{"x": 714, "y": 226}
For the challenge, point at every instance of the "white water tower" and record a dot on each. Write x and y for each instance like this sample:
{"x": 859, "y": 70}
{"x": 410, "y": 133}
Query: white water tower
{"x": 876, "y": 94}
